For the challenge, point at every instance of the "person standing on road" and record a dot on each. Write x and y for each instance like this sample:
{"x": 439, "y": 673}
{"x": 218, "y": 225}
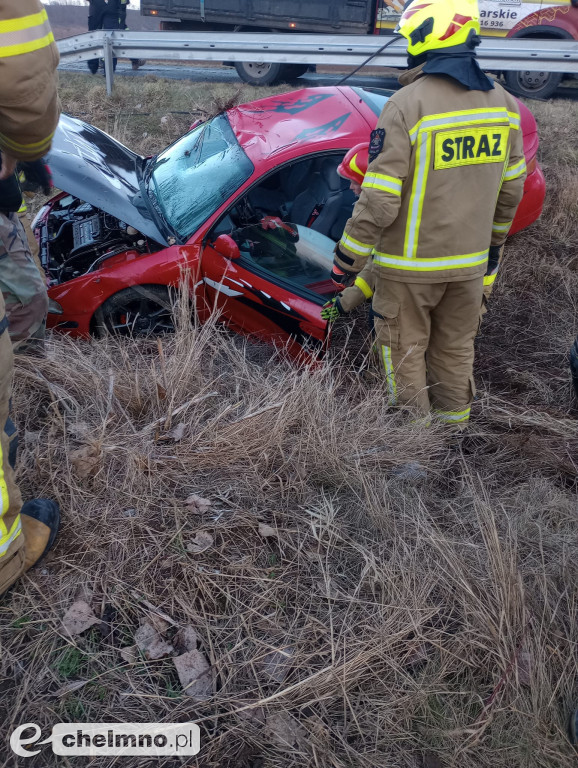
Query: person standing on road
{"x": 123, "y": 5}
{"x": 445, "y": 176}
{"x": 102, "y": 14}
{"x": 29, "y": 114}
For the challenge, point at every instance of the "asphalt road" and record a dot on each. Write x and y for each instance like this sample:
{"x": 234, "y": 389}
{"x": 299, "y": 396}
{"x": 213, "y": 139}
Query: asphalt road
{"x": 208, "y": 74}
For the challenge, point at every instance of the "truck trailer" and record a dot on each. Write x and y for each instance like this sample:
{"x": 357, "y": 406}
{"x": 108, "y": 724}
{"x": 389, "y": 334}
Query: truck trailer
{"x": 541, "y": 19}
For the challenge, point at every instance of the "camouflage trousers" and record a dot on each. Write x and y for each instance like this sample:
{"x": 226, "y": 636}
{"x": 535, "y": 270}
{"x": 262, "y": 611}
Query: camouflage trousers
{"x": 22, "y": 285}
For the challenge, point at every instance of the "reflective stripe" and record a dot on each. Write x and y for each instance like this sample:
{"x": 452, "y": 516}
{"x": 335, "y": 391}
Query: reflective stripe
{"x": 422, "y": 164}
{"x": 501, "y": 227}
{"x": 362, "y": 249}
{"x": 516, "y": 170}
{"x": 469, "y": 116}
{"x": 25, "y": 34}
{"x": 23, "y": 208}
{"x": 383, "y": 182}
{"x": 363, "y": 287}
{"x": 453, "y": 417}
{"x": 489, "y": 279}
{"x": 354, "y": 167}
{"x": 22, "y": 150}
{"x": 6, "y": 536}
{"x": 389, "y": 374}
{"x": 12, "y": 535}
{"x": 424, "y": 265}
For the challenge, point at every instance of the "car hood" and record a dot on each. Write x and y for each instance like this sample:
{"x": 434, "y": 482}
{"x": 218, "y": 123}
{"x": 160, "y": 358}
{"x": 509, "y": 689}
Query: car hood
{"x": 92, "y": 166}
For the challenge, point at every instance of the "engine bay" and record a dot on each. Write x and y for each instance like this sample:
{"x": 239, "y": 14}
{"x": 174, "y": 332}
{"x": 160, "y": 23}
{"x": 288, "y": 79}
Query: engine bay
{"x": 76, "y": 238}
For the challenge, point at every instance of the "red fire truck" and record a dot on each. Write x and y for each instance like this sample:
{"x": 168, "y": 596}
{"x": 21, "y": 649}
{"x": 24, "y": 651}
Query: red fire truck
{"x": 540, "y": 19}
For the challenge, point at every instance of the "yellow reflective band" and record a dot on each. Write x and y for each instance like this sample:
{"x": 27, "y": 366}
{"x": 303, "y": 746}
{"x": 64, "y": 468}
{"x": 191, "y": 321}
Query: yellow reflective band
{"x": 12, "y": 535}
{"x": 363, "y": 287}
{"x": 489, "y": 279}
{"x": 22, "y": 150}
{"x": 422, "y": 164}
{"x": 362, "y": 249}
{"x": 453, "y": 417}
{"x": 469, "y": 117}
{"x": 501, "y": 227}
{"x": 425, "y": 265}
{"x": 389, "y": 374}
{"x": 23, "y": 22}
{"x": 383, "y": 182}
{"x": 515, "y": 171}
{"x": 25, "y": 34}
{"x": 353, "y": 165}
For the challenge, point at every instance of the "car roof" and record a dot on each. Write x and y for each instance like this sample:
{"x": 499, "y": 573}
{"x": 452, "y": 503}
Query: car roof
{"x": 286, "y": 124}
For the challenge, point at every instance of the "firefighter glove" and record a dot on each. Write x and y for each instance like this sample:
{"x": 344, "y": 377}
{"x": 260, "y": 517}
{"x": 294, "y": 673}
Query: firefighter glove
{"x": 332, "y": 309}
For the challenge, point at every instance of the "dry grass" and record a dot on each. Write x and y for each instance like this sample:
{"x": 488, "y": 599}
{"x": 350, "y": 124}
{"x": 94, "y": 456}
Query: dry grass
{"x": 426, "y": 619}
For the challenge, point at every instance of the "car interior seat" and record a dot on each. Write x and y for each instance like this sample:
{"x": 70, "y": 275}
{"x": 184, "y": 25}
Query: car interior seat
{"x": 276, "y": 194}
{"x": 321, "y": 204}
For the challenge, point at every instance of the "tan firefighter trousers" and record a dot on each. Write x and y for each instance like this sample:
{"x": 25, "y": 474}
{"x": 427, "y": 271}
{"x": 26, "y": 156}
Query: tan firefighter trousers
{"x": 11, "y": 537}
{"x": 425, "y": 339}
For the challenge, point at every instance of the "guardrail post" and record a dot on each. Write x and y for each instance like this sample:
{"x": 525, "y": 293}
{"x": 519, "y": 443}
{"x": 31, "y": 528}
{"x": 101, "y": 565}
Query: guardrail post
{"x": 108, "y": 63}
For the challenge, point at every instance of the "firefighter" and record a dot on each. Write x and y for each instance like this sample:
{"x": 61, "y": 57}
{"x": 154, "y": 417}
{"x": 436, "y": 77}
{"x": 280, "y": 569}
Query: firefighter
{"x": 28, "y": 117}
{"x": 102, "y": 14}
{"x": 353, "y": 167}
{"x": 445, "y": 176}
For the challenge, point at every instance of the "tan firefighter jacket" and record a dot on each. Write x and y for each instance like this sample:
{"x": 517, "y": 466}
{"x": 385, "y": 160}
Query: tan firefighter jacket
{"x": 29, "y": 107}
{"x": 444, "y": 186}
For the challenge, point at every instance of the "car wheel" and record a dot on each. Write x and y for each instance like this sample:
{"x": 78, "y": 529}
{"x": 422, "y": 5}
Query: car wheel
{"x": 533, "y": 85}
{"x": 261, "y": 73}
{"x": 142, "y": 310}
{"x": 293, "y": 71}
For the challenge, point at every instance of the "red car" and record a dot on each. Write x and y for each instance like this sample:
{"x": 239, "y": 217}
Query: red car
{"x": 249, "y": 204}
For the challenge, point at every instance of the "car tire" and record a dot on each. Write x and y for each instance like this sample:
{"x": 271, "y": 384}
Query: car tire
{"x": 293, "y": 71}
{"x": 142, "y": 310}
{"x": 533, "y": 85}
{"x": 261, "y": 73}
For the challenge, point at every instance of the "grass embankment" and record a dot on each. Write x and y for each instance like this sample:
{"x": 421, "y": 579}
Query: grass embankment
{"x": 367, "y": 620}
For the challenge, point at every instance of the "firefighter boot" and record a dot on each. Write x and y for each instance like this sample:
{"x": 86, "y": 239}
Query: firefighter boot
{"x": 40, "y": 523}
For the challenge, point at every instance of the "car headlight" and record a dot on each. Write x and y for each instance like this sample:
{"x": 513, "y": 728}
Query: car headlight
{"x": 54, "y": 308}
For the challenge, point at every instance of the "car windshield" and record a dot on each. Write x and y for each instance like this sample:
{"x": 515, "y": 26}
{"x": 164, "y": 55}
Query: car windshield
{"x": 197, "y": 174}
{"x": 375, "y": 98}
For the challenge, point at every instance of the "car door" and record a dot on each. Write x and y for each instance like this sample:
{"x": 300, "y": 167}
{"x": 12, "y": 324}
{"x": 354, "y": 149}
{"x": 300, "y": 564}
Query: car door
{"x": 259, "y": 302}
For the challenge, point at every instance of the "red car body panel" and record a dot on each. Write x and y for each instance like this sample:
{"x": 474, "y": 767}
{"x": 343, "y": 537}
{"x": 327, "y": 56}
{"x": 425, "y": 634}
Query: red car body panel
{"x": 272, "y": 132}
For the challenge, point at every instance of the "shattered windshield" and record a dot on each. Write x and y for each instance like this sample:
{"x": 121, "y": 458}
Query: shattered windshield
{"x": 198, "y": 173}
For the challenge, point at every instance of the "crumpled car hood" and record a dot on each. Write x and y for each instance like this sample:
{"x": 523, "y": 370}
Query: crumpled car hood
{"x": 89, "y": 164}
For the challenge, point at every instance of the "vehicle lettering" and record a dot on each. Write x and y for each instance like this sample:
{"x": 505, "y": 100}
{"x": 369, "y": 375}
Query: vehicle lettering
{"x": 321, "y": 130}
{"x": 295, "y": 106}
{"x": 470, "y": 146}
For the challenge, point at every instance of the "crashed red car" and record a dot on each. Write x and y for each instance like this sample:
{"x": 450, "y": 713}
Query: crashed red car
{"x": 249, "y": 203}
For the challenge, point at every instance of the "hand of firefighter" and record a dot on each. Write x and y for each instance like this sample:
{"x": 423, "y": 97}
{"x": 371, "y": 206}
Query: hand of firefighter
{"x": 7, "y": 166}
{"x": 35, "y": 175}
{"x": 332, "y": 309}
{"x": 341, "y": 278}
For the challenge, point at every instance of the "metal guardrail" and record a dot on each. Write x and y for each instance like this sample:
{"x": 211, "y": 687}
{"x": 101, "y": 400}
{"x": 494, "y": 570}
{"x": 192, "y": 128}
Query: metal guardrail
{"x": 347, "y": 50}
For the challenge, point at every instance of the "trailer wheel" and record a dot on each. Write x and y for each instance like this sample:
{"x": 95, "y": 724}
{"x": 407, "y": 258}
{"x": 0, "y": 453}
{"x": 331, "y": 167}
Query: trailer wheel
{"x": 261, "y": 73}
{"x": 533, "y": 85}
{"x": 293, "y": 71}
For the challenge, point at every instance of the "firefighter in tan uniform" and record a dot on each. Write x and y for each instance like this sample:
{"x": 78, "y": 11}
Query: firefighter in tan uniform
{"x": 445, "y": 176}
{"x": 28, "y": 117}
